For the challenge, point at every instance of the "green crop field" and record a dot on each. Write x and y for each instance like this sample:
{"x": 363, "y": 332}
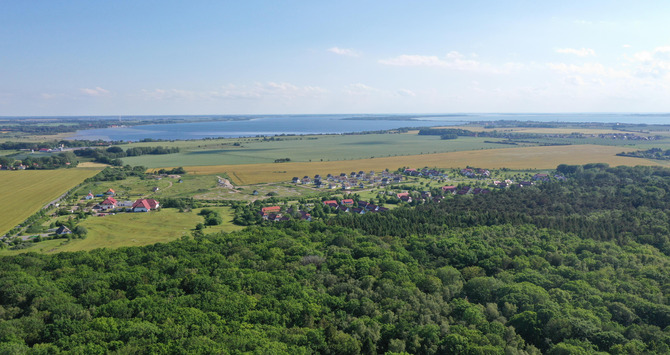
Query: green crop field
{"x": 305, "y": 149}
{"x": 24, "y": 192}
{"x": 133, "y": 229}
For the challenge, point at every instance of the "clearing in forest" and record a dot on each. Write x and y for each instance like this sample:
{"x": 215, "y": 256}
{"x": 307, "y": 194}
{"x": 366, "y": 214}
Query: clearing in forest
{"x": 133, "y": 229}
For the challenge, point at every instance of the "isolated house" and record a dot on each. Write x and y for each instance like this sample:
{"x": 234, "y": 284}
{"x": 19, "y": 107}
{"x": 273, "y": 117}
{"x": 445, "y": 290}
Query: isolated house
{"x": 110, "y": 192}
{"x": 89, "y": 196}
{"x": 145, "y": 205}
{"x": 63, "y": 230}
{"x": 141, "y": 205}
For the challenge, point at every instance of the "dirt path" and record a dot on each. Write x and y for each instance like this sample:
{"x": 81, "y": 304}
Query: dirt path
{"x": 225, "y": 183}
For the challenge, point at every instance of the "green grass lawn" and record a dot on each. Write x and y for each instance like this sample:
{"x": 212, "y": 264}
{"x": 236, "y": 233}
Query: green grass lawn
{"x": 133, "y": 229}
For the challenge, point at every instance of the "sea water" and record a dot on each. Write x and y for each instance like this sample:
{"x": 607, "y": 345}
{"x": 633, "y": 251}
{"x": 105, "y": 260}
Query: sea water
{"x": 271, "y": 125}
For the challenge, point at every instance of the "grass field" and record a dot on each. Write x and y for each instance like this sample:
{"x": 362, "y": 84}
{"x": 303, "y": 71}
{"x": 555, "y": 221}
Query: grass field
{"x": 24, "y": 192}
{"x": 513, "y": 158}
{"x": 90, "y": 164}
{"x": 306, "y": 149}
{"x": 133, "y": 187}
{"x": 133, "y": 229}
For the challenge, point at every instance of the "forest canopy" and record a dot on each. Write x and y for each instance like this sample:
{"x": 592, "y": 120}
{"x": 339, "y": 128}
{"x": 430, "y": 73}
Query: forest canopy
{"x": 565, "y": 267}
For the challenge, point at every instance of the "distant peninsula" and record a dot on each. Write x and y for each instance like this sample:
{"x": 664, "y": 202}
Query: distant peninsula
{"x": 400, "y": 117}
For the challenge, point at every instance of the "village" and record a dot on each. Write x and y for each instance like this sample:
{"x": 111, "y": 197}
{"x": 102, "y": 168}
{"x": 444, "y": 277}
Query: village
{"x": 360, "y": 181}
{"x": 353, "y": 193}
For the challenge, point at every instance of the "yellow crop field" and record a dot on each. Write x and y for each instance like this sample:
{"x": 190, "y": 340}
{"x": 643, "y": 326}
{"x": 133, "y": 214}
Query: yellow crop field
{"x": 90, "y": 164}
{"x": 24, "y": 192}
{"x": 514, "y": 158}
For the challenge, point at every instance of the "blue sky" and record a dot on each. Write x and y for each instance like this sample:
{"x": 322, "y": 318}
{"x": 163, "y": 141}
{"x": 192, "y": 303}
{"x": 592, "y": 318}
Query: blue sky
{"x": 257, "y": 57}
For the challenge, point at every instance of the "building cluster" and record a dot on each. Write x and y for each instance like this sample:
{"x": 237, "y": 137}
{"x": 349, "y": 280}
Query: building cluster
{"x": 464, "y": 190}
{"x": 110, "y": 203}
{"x": 274, "y": 214}
{"x": 476, "y": 173}
{"x": 429, "y": 173}
{"x": 346, "y": 181}
{"x": 625, "y": 136}
{"x": 18, "y": 166}
{"x": 350, "y": 206}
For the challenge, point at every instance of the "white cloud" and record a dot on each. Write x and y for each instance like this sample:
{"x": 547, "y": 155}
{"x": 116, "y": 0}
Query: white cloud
{"x": 453, "y": 60}
{"x": 584, "y": 52}
{"x": 654, "y": 64}
{"x": 595, "y": 69}
{"x": 626, "y": 46}
{"x": 359, "y": 89}
{"x": 49, "y": 96}
{"x": 97, "y": 91}
{"x": 575, "y": 80}
{"x": 343, "y": 51}
{"x": 414, "y": 60}
{"x": 406, "y": 93}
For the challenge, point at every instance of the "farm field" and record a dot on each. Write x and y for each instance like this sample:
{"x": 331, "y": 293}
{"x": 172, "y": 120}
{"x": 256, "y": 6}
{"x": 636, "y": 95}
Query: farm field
{"x": 24, "y": 192}
{"x": 133, "y": 229}
{"x": 305, "y": 149}
{"x": 547, "y": 157}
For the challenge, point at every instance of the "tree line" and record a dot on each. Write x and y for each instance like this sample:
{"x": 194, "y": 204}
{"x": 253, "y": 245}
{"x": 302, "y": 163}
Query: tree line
{"x": 113, "y": 155}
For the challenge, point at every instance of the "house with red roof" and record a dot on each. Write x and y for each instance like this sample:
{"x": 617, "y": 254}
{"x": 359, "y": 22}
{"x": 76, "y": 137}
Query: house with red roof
{"x": 145, "y": 205}
{"x": 271, "y": 209}
{"x": 331, "y": 203}
{"x": 109, "y": 203}
{"x": 110, "y": 192}
{"x": 404, "y": 196}
{"x": 348, "y": 202}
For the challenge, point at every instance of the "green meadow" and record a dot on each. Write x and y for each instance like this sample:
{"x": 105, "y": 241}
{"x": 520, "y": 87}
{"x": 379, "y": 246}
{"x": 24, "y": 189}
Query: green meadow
{"x": 341, "y": 148}
{"x": 133, "y": 229}
{"x": 304, "y": 149}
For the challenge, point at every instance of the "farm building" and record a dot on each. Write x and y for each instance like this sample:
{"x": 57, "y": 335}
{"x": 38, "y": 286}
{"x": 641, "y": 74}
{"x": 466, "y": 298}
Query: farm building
{"x": 63, "y": 230}
{"x": 145, "y": 205}
{"x": 109, "y": 203}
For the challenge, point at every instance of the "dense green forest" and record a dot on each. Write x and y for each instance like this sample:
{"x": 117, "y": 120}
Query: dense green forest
{"x": 566, "y": 267}
{"x": 52, "y": 161}
{"x": 653, "y": 153}
{"x": 113, "y": 155}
